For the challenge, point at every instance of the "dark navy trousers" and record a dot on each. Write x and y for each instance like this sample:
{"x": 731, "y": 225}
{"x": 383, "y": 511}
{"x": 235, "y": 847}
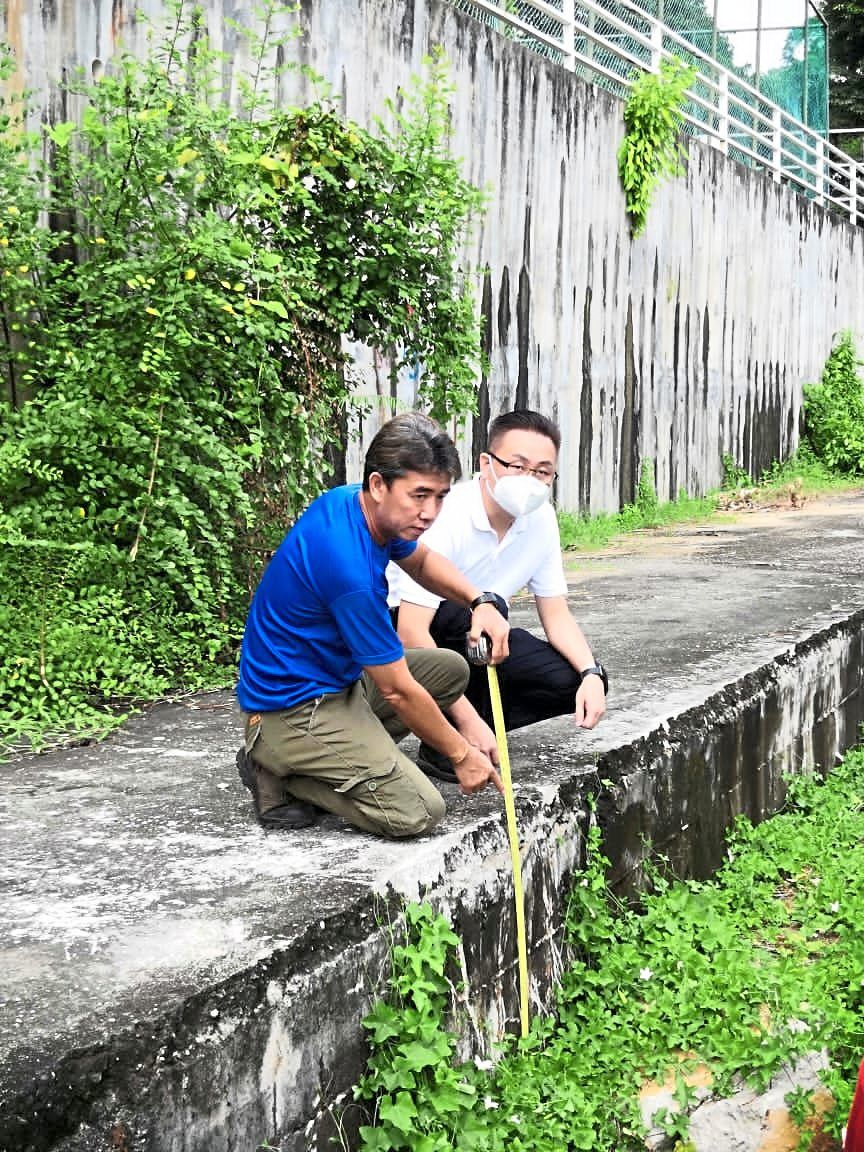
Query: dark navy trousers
{"x": 536, "y": 681}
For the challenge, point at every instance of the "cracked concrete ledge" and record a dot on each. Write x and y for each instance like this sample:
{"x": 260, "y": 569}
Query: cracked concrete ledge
{"x": 178, "y": 980}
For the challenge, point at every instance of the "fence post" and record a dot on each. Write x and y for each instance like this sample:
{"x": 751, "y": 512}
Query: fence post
{"x": 723, "y": 111}
{"x": 589, "y": 34}
{"x": 568, "y": 34}
{"x": 853, "y": 191}
{"x": 820, "y": 171}
{"x": 656, "y": 37}
{"x": 776, "y": 144}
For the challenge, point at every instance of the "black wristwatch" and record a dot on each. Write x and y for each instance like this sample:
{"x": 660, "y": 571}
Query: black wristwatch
{"x": 597, "y": 670}
{"x": 485, "y": 598}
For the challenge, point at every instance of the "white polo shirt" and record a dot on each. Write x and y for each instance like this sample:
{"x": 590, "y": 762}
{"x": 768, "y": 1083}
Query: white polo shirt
{"x": 529, "y": 555}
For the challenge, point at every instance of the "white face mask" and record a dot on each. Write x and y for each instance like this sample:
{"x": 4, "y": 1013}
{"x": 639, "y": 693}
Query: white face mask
{"x": 518, "y": 495}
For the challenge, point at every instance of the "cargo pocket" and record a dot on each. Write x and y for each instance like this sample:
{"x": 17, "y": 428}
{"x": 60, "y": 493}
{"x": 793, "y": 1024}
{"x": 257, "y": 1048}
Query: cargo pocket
{"x": 370, "y": 779}
{"x": 390, "y": 800}
{"x": 375, "y": 794}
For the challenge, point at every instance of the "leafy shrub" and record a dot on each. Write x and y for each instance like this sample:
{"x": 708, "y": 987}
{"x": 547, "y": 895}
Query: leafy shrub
{"x": 805, "y": 466}
{"x": 646, "y": 493}
{"x": 650, "y": 150}
{"x": 834, "y": 411}
{"x": 734, "y": 476}
{"x": 172, "y": 346}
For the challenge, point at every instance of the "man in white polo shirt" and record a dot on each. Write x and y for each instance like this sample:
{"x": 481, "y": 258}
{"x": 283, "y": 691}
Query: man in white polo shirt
{"x": 500, "y": 531}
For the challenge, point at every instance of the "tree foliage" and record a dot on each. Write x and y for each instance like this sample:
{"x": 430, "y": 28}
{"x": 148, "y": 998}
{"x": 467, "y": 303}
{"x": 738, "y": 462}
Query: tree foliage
{"x": 172, "y": 339}
{"x": 834, "y": 411}
{"x": 846, "y": 50}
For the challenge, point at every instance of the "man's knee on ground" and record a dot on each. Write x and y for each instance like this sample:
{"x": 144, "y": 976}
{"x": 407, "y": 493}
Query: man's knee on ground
{"x": 413, "y": 819}
{"x": 564, "y": 678}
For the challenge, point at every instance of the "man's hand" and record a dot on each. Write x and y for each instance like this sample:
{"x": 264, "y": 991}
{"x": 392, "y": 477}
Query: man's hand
{"x": 590, "y": 702}
{"x": 486, "y": 618}
{"x": 478, "y": 733}
{"x": 475, "y": 772}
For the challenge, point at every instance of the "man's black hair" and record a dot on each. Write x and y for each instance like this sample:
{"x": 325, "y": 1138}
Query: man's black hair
{"x": 526, "y": 421}
{"x": 411, "y": 442}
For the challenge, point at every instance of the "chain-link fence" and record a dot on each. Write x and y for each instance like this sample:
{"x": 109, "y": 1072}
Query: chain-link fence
{"x": 537, "y": 27}
{"x": 778, "y": 47}
{"x": 760, "y": 91}
{"x": 787, "y": 62}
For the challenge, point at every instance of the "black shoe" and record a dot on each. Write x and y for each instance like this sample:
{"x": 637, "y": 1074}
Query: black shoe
{"x": 291, "y": 816}
{"x": 246, "y": 771}
{"x": 295, "y": 814}
{"x": 436, "y": 765}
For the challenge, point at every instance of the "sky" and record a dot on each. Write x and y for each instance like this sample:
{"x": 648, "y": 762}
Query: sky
{"x": 743, "y": 13}
{"x": 777, "y": 17}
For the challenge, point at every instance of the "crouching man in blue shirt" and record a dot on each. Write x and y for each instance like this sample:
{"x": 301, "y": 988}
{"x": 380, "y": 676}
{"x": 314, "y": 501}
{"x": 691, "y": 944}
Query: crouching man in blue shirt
{"x": 327, "y": 688}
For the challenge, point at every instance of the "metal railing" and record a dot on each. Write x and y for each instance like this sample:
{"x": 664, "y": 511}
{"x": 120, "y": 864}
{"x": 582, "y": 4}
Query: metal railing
{"x": 610, "y": 42}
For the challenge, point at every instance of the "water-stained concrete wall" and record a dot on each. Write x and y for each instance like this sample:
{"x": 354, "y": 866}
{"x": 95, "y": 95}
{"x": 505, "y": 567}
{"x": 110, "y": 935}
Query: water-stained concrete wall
{"x": 692, "y": 341}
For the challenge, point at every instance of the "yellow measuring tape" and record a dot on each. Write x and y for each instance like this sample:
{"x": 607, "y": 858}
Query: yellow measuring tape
{"x": 513, "y": 834}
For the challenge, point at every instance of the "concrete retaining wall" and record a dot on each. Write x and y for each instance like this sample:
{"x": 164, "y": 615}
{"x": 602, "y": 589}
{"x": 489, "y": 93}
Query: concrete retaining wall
{"x": 677, "y": 791}
{"x": 692, "y": 341}
{"x": 267, "y": 1051}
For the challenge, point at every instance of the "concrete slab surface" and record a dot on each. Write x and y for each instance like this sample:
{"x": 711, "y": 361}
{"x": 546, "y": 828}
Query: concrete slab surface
{"x": 135, "y": 878}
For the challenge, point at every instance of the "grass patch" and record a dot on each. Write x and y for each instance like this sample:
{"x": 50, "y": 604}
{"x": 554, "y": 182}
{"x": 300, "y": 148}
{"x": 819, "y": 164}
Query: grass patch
{"x": 587, "y": 533}
{"x": 815, "y": 476}
{"x": 734, "y": 977}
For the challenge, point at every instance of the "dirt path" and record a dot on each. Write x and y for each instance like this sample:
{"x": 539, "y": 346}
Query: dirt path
{"x": 702, "y": 537}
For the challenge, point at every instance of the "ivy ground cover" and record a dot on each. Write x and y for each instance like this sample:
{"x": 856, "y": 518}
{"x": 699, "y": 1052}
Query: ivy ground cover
{"x": 736, "y": 976}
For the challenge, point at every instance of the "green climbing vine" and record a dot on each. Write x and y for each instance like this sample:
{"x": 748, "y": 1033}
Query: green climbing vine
{"x": 176, "y": 283}
{"x": 650, "y": 149}
{"x": 421, "y": 1099}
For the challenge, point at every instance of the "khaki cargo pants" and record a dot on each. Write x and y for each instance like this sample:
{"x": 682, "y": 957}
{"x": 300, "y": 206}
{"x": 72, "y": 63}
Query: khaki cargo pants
{"x": 339, "y": 751}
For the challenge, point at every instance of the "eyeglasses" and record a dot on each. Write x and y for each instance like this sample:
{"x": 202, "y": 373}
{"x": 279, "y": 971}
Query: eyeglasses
{"x": 547, "y": 475}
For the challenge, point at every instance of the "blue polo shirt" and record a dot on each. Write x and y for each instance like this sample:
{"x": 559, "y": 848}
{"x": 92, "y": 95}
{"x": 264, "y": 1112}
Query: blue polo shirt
{"x": 320, "y": 613}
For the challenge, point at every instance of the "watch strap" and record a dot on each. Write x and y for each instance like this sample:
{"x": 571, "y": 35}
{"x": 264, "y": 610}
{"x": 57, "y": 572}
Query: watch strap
{"x": 597, "y": 670}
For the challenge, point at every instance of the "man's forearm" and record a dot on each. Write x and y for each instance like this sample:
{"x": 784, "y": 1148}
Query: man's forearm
{"x": 426, "y": 720}
{"x": 412, "y": 633}
{"x": 463, "y": 713}
{"x": 566, "y": 637}
{"x": 573, "y": 647}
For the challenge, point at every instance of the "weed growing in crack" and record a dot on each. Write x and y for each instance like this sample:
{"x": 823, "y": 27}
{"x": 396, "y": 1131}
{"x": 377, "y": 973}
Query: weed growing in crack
{"x": 421, "y": 1100}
